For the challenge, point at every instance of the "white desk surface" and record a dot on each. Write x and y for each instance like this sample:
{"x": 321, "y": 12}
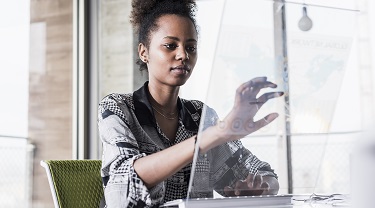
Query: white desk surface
{"x": 280, "y": 201}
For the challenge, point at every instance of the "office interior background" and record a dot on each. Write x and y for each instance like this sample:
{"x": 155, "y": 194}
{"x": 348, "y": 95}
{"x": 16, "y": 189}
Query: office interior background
{"x": 60, "y": 57}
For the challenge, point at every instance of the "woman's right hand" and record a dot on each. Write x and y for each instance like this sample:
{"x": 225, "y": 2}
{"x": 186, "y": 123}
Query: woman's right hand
{"x": 240, "y": 120}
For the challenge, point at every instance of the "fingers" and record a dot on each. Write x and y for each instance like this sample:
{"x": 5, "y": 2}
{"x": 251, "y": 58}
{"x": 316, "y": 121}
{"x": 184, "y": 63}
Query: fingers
{"x": 229, "y": 191}
{"x": 240, "y": 189}
{"x": 264, "y": 98}
{"x": 265, "y": 187}
{"x": 250, "y": 178}
{"x": 258, "y": 180}
{"x": 252, "y": 186}
{"x": 256, "y": 125}
{"x": 267, "y": 96}
{"x": 256, "y": 184}
{"x": 254, "y": 181}
{"x": 261, "y": 82}
{"x": 255, "y": 85}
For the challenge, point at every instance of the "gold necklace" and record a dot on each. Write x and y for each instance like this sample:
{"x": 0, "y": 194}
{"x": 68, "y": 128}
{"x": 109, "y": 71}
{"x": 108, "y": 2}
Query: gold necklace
{"x": 161, "y": 109}
{"x": 169, "y": 118}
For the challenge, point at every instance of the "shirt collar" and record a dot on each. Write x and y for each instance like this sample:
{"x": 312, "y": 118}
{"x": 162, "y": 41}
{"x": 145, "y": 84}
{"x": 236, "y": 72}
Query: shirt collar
{"x": 144, "y": 112}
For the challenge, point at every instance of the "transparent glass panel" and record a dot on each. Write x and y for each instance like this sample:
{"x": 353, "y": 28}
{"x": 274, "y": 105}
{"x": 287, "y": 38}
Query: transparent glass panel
{"x": 308, "y": 51}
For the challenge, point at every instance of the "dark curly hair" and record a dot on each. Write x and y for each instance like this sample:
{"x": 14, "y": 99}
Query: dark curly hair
{"x": 145, "y": 14}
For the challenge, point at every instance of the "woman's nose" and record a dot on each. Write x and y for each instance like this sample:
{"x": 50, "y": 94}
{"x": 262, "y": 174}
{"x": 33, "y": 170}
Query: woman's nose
{"x": 182, "y": 54}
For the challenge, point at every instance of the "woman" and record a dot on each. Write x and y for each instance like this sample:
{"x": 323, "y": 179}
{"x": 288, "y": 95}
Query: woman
{"x": 149, "y": 136}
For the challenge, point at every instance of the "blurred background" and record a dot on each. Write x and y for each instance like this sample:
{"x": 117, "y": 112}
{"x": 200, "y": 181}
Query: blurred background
{"x": 60, "y": 57}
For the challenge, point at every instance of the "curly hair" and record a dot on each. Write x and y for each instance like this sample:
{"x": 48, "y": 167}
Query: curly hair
{"x": 145, "y": 13}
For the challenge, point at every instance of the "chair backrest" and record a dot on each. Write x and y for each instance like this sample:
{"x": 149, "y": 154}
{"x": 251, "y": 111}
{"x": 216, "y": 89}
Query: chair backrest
{"x": 74, "y": 183}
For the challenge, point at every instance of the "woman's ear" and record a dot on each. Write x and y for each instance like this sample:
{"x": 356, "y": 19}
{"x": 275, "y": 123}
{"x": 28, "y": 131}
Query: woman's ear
{"x": 143, "y": 52}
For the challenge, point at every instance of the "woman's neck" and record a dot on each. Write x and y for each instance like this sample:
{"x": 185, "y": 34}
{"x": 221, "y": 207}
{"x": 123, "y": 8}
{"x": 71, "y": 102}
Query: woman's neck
{"x": 164, "y": 97}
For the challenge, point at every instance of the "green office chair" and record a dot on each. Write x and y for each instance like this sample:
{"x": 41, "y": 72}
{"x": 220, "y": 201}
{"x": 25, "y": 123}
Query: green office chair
{"x": 74, "y": 183}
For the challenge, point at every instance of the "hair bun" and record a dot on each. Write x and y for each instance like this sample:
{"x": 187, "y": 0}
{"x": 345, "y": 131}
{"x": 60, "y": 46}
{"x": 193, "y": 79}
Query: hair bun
{"x": 141, "y": 8}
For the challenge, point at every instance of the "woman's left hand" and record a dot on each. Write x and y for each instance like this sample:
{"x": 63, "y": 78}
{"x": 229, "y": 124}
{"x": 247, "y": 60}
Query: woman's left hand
{"x": 253, "y": 185}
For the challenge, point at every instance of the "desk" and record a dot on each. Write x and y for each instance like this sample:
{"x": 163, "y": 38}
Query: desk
{"x": 279, "y": 201}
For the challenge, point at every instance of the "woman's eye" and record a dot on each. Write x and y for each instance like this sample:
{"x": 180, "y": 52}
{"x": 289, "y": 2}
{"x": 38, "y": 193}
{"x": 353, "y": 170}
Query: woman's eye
{"x": 170, "y": 46}
{"x": 191, "y": 48}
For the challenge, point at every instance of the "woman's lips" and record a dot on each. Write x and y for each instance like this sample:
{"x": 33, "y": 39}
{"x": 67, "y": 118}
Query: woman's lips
{"x": 182, "y": 69}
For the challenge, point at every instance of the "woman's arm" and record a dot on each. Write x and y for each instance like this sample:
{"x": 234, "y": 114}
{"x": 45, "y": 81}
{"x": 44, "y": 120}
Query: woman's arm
{"x": 157, "y": 167}
{"x": 122, "y": 186}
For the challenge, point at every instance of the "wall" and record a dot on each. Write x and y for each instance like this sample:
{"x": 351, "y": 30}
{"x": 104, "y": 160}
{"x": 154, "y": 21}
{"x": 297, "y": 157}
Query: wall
{"x": 50, "y": 89}
{"x": 115, "y": 47}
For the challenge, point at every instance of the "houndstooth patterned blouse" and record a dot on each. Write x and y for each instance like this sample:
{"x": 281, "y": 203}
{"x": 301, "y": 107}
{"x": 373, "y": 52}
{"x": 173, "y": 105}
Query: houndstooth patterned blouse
{"x": 129, "y": 131}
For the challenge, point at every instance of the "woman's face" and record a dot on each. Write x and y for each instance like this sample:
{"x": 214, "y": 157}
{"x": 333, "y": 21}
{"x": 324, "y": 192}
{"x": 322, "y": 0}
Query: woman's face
{"x": 172, "y": 52}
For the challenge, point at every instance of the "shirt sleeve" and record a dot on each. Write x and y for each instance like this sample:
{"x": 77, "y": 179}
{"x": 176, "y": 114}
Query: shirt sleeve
{"x": 231, "y": 161}
{"x": 122, "y": 185}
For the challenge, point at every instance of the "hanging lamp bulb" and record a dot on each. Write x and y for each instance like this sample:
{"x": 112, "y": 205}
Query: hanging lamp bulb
{"x": 305, "y": 23}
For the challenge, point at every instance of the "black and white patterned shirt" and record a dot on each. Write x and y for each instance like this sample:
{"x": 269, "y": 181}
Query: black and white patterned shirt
{"x": 129, "y": 131}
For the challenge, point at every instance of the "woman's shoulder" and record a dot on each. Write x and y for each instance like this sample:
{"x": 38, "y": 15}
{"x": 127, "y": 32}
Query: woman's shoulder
{"x": 196, "y": 104}
{"x": 116, "y": 103}
{"x": 117, "y": 99}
